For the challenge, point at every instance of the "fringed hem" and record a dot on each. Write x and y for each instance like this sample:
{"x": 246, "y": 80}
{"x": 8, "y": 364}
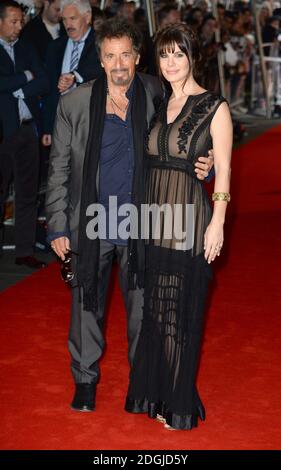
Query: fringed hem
{"x": 181, "y": 422}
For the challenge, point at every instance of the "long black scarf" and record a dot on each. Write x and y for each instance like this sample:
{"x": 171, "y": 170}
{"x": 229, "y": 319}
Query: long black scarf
{"x": 88, "y": 249}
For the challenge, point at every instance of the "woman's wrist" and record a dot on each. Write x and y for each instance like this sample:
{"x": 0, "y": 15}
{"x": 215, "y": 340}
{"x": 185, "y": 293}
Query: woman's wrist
{"x": 218, "y": 220}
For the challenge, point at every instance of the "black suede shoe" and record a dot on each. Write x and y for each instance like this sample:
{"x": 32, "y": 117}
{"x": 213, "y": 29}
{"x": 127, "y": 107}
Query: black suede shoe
{"x": 84, "y": 397}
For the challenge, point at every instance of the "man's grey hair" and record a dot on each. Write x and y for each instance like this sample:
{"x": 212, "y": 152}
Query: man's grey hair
{"x": 83, "y": 6}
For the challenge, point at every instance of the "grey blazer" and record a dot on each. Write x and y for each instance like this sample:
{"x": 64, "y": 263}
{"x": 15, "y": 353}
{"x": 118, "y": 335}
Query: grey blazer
{"x": 69, "y": 142}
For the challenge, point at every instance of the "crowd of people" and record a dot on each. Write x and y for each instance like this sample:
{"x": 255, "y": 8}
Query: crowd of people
{"x": 233, "y": 33}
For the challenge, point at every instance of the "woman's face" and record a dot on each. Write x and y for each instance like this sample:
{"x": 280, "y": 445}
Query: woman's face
{"x": 174, "y": 65}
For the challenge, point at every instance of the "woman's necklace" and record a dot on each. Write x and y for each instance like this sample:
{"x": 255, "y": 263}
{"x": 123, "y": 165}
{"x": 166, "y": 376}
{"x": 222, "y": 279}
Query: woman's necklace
{"x": 114, "y": 104}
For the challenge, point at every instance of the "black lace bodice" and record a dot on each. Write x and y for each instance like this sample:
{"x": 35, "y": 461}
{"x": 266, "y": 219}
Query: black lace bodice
{"x": 188, "y": 136}
{"x": 172, "y": 150}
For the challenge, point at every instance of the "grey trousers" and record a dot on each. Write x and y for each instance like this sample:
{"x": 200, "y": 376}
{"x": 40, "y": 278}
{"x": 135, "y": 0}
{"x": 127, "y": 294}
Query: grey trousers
{"x": 86, "y": 338}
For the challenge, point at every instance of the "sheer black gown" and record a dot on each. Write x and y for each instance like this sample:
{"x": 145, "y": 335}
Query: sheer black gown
{"x": 163, "y": 376}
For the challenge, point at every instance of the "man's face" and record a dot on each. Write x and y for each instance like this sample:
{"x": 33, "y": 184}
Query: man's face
{"x": 221, "y": 13}
{"x": 11, "y": 24}
{"x": 247, "y": 17}
{"x": 119, "y": 60}
{"x": 75, "y": 23}
{"x": 97, "y": 23}
{"x": 203, "y": 5}
{"x": 53, "y": 11}
{"x": 275, "y": 24}
{"x": 197, "y": 15}
{"x": 173, "y": 17}
{"x": 127, "y": 12}
{"x": 228, "y": 22}
{"x": 209, "y": 27}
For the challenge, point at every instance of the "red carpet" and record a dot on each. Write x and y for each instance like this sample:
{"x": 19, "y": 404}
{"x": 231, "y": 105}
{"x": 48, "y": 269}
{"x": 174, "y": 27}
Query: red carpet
{"x": 239, "y": 378}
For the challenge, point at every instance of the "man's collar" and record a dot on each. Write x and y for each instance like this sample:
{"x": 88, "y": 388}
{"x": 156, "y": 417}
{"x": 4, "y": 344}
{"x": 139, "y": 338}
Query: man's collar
{"x": 48, "y": 25}
{"x": 6, "y": 43}
{"x": 83, "y": 39}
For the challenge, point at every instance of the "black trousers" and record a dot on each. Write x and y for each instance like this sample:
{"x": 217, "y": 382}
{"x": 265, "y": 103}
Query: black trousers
{"x": 86, "y": 335}
{"x": 19, "y": 159}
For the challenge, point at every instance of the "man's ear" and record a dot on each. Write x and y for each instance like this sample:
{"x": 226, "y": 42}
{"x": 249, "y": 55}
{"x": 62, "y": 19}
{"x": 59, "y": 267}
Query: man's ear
{"x": 88, "y": 16}
{"x": 137, "y": 59}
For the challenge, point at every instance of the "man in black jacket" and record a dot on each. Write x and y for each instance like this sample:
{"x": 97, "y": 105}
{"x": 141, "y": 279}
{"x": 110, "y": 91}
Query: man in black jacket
{"x": 71, "y": 60}
{"x": 45, "y": 27}
{"x": 22, "y": 79}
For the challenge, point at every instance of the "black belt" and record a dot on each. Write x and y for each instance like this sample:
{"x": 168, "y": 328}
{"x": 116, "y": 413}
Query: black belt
{"x": 26, "y": 121}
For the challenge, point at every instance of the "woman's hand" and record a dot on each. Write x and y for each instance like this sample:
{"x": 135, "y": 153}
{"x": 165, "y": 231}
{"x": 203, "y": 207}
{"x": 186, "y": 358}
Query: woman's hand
{"x": 213, "y": 240}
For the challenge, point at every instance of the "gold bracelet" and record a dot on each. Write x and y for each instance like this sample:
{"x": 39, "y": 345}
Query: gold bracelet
{"x": 221, "y": 197}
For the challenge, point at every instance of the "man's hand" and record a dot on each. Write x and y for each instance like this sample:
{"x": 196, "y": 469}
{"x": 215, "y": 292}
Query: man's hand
{"x": 204, "y": 165}
{"x": 46, "y": 140}
{"x": 61, "y": 246}
{"x": 66, "y": 81}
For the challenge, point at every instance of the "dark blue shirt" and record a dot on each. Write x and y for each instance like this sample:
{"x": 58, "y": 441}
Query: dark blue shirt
{"x": 116, "y": 168}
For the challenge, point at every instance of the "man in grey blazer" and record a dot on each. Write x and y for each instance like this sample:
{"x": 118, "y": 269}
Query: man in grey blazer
{"x": 97, "y": 151}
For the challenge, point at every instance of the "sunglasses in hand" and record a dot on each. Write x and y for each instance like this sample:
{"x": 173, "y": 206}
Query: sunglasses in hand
{"x": 66, "y": 266}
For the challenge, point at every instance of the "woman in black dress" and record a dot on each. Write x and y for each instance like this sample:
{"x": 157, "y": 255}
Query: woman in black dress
{"x": 178, "y": 271}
